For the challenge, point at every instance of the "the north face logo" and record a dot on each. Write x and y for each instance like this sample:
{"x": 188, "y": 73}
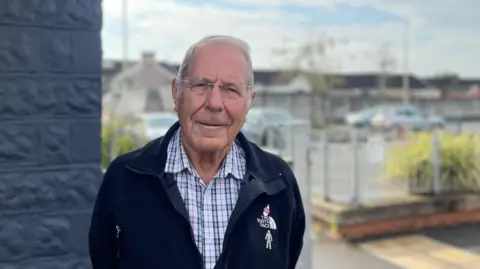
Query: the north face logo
{"x": 266, "y": 221}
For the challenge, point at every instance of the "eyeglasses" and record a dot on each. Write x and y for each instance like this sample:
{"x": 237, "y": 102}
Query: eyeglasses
{"x": 228, "y": 91}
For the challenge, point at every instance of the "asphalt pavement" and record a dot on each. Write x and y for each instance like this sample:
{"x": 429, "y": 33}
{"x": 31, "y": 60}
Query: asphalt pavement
{"x": 452, "y": 248}
{"x": 466, "y": 237}
{"x": 331, "y": 254}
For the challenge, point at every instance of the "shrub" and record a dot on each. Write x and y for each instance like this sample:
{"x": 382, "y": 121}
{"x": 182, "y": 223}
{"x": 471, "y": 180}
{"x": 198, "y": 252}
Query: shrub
{"x": 124, "y": 142}
{"x": 459, "y": 157}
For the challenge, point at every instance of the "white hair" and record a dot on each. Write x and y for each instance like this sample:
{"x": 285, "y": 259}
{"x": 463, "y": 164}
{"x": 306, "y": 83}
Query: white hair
{"x": 236, "y": 42}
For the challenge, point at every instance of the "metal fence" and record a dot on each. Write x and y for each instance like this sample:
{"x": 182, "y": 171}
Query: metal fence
{"x": 355, "y": 171}
{"x": 349, "y": 166}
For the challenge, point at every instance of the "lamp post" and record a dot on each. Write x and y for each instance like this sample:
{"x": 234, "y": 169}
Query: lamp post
{"x": 124, "y": 53}
{"x": 124, "y": 34}
{"x": 116, "y": 100}
{"x": 406, "y": 77}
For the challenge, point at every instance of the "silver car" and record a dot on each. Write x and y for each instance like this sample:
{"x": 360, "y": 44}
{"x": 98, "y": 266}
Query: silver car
{"x": 263, "y": 126}
{"x": 397, "y": 117}
{"x": 154, "y": 125}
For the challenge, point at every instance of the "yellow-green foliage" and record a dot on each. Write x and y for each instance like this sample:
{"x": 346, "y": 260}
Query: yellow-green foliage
{"x": 459, "y": 159}
{"x": 124, "y": 143}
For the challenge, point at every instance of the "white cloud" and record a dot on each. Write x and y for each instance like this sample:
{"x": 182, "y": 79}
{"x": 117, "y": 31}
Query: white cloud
{"x": 169, "y": 27}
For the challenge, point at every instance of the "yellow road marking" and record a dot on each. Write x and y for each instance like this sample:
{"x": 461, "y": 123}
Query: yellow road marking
{"x": 420, "y": 252}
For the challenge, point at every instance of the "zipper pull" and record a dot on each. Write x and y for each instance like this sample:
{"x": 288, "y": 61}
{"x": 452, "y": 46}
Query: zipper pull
{"x": 118, "y": 230}
{"x": 118, "y": 238}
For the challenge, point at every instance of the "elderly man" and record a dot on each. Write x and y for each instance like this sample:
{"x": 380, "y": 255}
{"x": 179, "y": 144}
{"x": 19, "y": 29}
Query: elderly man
{"x": 202, "y": 196}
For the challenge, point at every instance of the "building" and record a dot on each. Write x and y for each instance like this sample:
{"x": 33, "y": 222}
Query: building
{"x": 139, "y": 87}
{"x": 145, "y": 85}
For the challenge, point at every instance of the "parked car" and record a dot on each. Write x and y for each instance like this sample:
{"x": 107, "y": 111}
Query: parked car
{"x": 153, "y": 125}
{"x": 361, "y": 118}
{"x": 263, "y": 125}
{"x": 397, "y": 117}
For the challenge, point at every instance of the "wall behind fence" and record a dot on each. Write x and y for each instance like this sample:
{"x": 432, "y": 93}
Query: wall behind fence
{"x": 50, "y": 91}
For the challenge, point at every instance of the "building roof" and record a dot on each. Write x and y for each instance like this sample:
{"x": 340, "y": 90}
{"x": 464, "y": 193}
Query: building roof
{"x": 453, "y": 83}
{"x": 364, "y": 81}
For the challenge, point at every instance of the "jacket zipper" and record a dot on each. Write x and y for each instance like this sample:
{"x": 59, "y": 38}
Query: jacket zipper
{"x": 118, "y": 240}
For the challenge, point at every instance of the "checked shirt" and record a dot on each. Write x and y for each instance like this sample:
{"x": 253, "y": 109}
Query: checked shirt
{"x": 209, "y": 206}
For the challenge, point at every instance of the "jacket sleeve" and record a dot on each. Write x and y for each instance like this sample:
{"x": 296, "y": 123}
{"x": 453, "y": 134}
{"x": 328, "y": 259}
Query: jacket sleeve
{"x": 298, "y": 227}
{"x": 102, "y": 237}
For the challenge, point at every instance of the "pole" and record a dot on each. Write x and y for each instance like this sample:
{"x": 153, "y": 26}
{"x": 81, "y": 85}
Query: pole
{"x": 355, "y": 199}
{"x": 325, "y": 161}
{"x": 112, "y": 112}
{"x": 406, "y": 77}
{"x": 437, "y": 184}
{"x": 125, "y": 34}
{"x": 124, "y": 54}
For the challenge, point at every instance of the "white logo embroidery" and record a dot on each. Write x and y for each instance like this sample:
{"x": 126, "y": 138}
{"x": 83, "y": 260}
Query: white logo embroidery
{"x": 269, "y": 239}
{"x": 266, "y": 221}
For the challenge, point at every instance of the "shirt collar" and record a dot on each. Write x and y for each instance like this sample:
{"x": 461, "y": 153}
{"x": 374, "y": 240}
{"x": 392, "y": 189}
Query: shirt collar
{"x": 177, "y": 160}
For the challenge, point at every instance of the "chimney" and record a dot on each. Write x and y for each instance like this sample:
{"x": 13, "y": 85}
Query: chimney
{"x": 148, "y": 57}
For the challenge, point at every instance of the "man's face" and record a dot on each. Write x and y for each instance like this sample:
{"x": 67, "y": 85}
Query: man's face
{"x": 213, "y": 104}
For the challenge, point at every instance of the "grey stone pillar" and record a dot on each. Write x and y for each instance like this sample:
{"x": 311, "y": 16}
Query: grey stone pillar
{"x": 50, "y": 92}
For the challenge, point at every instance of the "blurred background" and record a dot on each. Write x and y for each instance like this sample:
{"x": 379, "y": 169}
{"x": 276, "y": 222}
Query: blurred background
{"x": 370, "y": 101}
{"x": 375, "y": 104}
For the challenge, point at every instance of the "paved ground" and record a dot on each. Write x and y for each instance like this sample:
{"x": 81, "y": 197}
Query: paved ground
{"x": 466, "y": 237}
{"x": 329, "y": 254}
{"x": 421, "y": 252}
{"x": 446, "y": 248}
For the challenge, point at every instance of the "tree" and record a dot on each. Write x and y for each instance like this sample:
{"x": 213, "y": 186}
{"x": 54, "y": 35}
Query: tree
{"x": 311, "y": 60}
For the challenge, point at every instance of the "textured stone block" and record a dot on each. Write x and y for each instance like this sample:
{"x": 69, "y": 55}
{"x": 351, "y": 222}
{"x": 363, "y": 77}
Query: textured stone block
{"x": 57, "y": 51}
{"x": 34, "y": 190}
{"x": 69, "y": 52}
{"x": 18, "y": 95}
{"x": 18, "y": 144}
{"x": 81, "y": 97}
{"x": 85, "y": 14}
{"x": 19, "y": 49}
{"x": 14, "y": 238}
{"x": 49, "y": 96}
{"x": 80, "y": 133}
{"x": 67, "y": 262}
{"x": 54, "y": 143}
{"x": 42, "y": 235}
{"x": 50, "y": 143}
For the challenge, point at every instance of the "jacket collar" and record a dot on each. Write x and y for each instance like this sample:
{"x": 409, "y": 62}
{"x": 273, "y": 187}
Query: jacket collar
{"x": 152, "y": 157}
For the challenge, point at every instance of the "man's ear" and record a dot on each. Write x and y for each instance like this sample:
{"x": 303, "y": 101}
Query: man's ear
{"x": 252, "y": 97}
{"x": 175, "y": 94}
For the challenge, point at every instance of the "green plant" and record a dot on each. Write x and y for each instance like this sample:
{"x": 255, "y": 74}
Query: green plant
{"x": 123, "y": 142}
{"x": 459, "y": 156}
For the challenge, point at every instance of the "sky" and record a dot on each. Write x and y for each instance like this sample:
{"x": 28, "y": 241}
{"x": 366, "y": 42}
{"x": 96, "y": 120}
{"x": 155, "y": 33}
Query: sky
{"x": 443, "y": 36}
